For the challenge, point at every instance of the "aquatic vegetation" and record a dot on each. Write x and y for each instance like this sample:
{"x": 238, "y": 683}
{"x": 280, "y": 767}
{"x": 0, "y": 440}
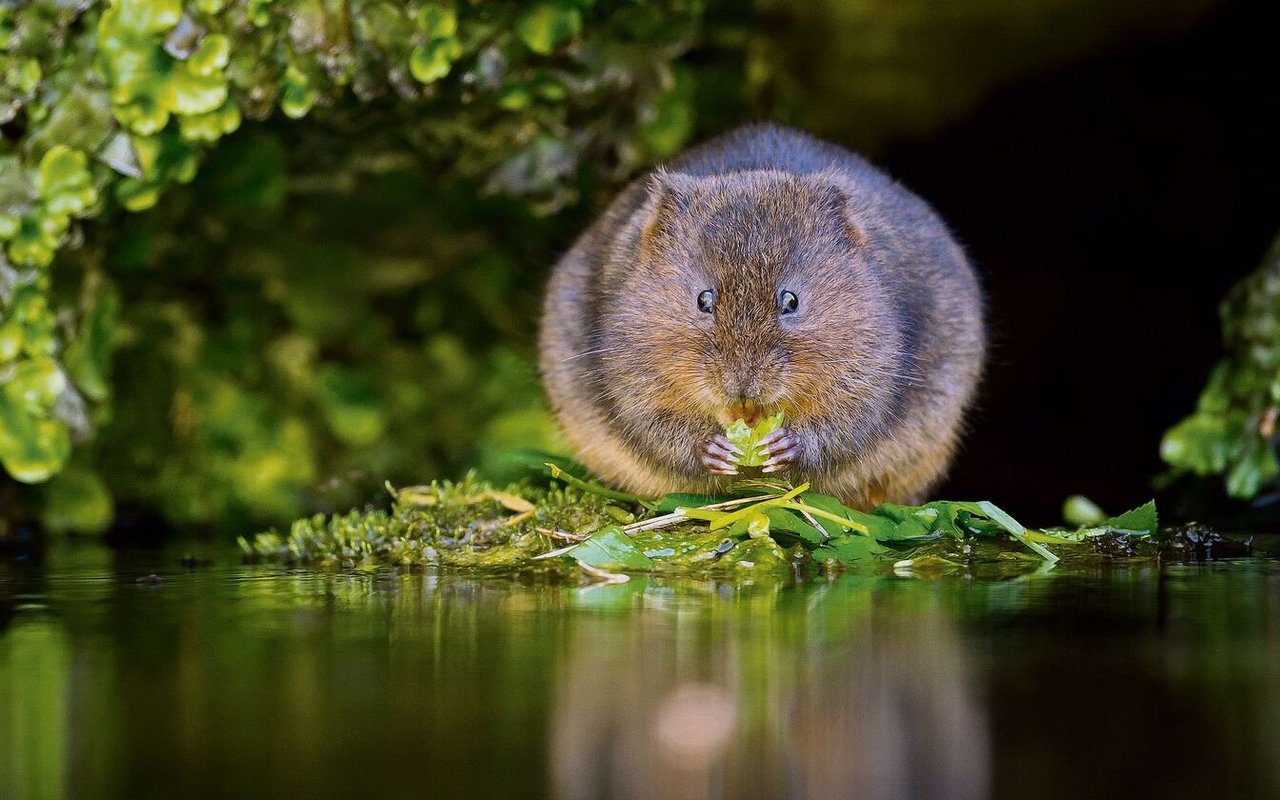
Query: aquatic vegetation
{"x": 767, "y": 528}
{"x": 1232, "y": 432}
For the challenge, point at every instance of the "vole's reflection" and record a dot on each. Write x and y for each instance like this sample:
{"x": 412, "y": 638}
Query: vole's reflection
{"x": 676, "y": 708}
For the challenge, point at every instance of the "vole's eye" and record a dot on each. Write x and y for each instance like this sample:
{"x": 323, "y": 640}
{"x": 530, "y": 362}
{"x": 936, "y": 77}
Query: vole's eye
{"x": 788, "y": 302}
{"x": 707, "y": 301}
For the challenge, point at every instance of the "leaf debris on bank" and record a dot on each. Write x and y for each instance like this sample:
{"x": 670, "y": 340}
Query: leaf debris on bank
{"x": 773, "y": 527}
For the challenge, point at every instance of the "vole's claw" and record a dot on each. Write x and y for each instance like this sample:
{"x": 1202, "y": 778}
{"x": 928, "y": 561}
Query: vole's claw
{"x": 774, "y": 437}
{"x": 718, "y": 466}
{"x": 720, "y": 456}
{"x": 783, "y": 447}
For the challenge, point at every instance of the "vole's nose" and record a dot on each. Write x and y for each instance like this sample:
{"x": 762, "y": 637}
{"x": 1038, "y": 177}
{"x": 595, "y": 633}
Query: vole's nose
{"x": 746, "y": 387}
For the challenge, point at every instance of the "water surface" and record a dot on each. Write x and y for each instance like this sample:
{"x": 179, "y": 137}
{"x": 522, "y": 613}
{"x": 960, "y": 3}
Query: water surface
{"x": 232, "y": 680}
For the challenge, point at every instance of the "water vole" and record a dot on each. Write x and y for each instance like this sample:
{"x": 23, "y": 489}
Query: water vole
{"x": 765, "y": 270}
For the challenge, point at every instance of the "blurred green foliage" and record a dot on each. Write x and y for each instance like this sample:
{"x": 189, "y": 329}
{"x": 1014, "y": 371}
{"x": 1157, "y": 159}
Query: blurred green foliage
{"x": 1233, "y": 431}
{"x": 296, "y": 311}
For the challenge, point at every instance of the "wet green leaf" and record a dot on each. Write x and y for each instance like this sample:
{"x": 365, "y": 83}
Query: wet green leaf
{"x": 1142, "y": 519}
{"x": 832, "y": 505}
{"x": 850, "y": 549}
{"x": 610, "y": 549}
{"x": 1014, "y": 529}
{"x": 787, "y": 521}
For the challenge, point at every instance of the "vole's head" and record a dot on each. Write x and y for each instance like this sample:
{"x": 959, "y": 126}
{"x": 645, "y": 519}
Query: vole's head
{"x": 752, "y": 292}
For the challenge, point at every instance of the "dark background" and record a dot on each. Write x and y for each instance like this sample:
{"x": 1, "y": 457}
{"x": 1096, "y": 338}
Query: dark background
{"x": 1109, "y": 205}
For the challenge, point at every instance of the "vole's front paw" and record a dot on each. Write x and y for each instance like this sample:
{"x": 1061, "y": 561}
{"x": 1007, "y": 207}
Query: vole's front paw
{"x": 783, "y": 447}
{"x": 720, "y": 456}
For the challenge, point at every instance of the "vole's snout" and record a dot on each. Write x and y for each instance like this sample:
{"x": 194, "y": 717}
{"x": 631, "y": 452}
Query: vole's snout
{"x": 745, "y": 387}
{"x": 749, "y": 393}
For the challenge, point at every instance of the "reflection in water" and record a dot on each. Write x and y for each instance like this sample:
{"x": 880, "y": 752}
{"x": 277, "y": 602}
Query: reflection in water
{"x": 256, "y": 682}
{"x": 34, "y": 676}
{"x": 889, "y": 710}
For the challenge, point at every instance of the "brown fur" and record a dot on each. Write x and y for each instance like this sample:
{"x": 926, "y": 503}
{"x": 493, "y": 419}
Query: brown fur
{"x": 874, "y": 370}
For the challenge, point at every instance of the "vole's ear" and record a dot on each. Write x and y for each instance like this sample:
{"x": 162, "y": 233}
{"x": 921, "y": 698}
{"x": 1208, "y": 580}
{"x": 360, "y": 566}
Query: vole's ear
{"x": 835, "y": 202}
{"x": 666, "y": 204}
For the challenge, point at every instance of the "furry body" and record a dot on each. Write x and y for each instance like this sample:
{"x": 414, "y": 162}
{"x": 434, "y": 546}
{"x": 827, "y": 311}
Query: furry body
{"x": 874, "y": 363}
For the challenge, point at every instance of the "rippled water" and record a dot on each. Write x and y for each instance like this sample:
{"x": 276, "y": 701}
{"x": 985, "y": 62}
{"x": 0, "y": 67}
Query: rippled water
{"x": 227, "y": 680}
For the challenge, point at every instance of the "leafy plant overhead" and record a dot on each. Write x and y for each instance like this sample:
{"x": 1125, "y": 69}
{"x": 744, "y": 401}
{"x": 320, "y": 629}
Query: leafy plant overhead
{"x": 106, "y": 107}
{"x": 1233, "y": 431}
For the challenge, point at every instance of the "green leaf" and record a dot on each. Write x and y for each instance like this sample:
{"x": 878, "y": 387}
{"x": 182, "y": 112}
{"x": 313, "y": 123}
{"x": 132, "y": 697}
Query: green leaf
{"x": 850, "y": 549}
{"x": 1142, "y": 519}
{"x": 788, "y": 521}
{"x": 747, "y": 438}
{"x": 145, "y": 16}
{"x": 548, "y": 25}
{"x": 211, "y": 56}
{"x": 432, "y": 61}
{"x": 1201, "y": 443}
{"x": 1080, "y": 510}
{"x": 875, "y": 526}
{"x": 610, "y": 549}
{"x": 1015, "y": 529}
{"x": 1255, "y": 466}
{"x": 188, "y": 92}
{"x": 35, "y": 385}
{"x": 32, "y": 449}
{"x": 64, "y": 182}
{"x": 298, "y": 97}
{"x": 438, "y": 21}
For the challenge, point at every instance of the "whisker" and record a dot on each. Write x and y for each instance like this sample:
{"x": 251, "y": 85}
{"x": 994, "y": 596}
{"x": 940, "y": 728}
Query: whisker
{"x": 597, "y": 351}
{"x": 869, "y": 381}
{"x": 911, "y": 374}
